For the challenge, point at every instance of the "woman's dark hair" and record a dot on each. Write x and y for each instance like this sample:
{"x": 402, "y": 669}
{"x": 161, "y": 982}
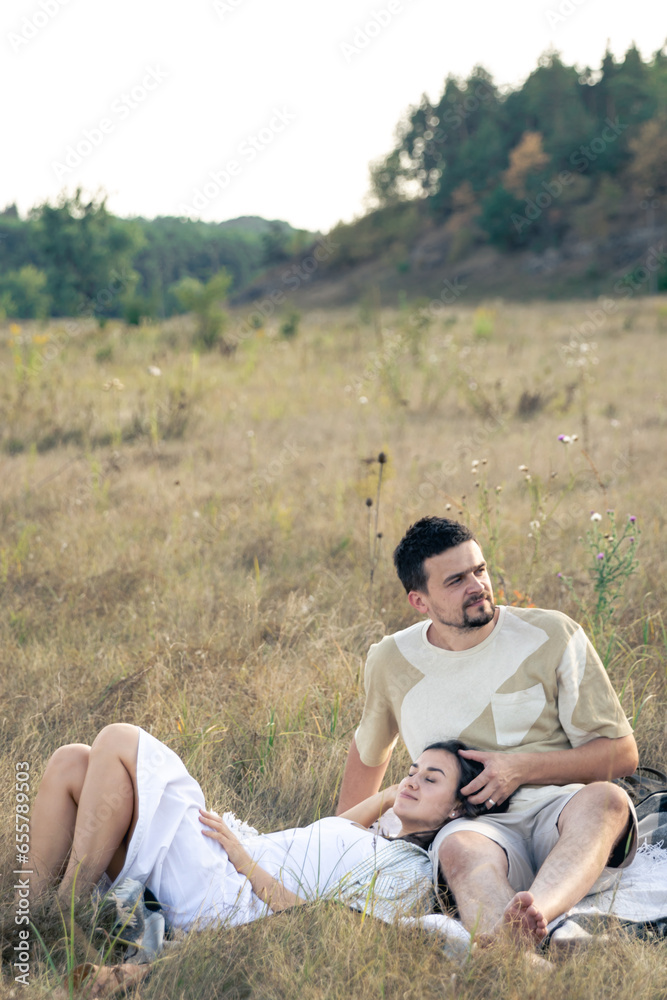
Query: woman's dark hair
{"x": 468, "y": 769}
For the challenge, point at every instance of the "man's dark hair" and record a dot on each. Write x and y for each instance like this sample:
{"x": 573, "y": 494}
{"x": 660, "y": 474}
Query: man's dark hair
{"x": 425, "y": 538}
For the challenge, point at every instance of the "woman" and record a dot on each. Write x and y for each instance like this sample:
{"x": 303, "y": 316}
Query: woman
{"x": 127, "y": 807}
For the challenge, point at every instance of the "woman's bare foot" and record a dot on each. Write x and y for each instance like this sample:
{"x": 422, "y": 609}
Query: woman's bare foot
{"x": 523, "y": 919}
{"x": 106, "y": 980}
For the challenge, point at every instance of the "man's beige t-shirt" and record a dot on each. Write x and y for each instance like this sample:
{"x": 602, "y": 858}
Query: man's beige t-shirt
{"x": 535, "y": 683}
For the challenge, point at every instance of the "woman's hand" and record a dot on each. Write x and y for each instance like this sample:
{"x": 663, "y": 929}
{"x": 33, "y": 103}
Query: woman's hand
{"x": 389, "y": 797}
{"x": 369, "y": 811}
{"x": 269, "y": 889}
{"x": 218, "y": 830}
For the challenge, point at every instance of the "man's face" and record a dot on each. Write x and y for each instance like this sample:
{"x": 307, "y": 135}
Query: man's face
{"x": 458, "y": 591}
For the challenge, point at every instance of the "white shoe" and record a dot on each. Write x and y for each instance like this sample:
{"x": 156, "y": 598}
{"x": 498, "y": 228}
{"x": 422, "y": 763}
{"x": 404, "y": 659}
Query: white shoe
{"x": 141, "y": 929}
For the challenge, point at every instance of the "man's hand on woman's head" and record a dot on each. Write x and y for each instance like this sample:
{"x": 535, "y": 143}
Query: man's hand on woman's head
{"x": 499, "y": 779}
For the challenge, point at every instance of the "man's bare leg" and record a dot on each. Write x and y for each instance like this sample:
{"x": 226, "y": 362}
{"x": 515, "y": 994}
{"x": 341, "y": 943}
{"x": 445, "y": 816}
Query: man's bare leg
{"x": 54, "y": 814}
{"x": 476, "y": 872}
{"x": 590, "y": 826}
{"x": 106, "y": 811}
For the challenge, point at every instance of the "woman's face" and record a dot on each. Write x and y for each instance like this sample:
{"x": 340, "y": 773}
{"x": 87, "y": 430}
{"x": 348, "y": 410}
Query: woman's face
{"x": 428, "y": 796}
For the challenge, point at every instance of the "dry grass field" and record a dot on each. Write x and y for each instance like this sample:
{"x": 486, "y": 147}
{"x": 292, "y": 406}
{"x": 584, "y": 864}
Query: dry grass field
{"x": 191, "y": 550}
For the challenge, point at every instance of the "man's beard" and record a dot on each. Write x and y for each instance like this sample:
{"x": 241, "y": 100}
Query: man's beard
{"x": 467, "y": 623}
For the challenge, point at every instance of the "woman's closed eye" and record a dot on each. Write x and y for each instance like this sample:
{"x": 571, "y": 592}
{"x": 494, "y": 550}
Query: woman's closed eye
{"x": 413, "y": 774}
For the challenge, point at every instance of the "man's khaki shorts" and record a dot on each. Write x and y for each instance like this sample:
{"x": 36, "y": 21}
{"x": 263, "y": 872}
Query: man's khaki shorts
{"x": 528, "y": 831}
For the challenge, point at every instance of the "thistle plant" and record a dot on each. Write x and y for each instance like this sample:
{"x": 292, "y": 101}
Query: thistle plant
{"x": 374, "y": 535}
{"x": 580, "y": 354}
{"x": 612, "y": 556}
{"x": 489, "y": 508}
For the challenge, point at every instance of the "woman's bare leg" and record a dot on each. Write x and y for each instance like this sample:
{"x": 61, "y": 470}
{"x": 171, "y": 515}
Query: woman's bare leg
{"x": 54, "y": 814}
{"x": 106, "y": 812}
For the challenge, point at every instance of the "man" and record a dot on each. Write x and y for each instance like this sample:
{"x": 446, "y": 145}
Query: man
{"x": 526, "y": 687}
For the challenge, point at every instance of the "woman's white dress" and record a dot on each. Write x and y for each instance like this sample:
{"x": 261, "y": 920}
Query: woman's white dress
{"x": 192, "y": 877}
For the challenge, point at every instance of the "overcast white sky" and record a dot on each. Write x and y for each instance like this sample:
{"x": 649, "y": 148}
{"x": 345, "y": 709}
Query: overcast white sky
{"x": 159, "y": 94}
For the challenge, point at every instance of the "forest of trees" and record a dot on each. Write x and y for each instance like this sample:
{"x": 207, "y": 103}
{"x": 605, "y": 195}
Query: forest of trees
{"x": 75, "y": 258}
{"x": 568, "y": 153}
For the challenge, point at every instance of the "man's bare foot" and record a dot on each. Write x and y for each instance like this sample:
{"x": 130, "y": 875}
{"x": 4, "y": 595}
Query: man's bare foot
{"x": 523, "y": 920}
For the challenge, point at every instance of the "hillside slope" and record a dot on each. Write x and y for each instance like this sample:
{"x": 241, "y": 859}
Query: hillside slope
{"x": 630, "y": 258}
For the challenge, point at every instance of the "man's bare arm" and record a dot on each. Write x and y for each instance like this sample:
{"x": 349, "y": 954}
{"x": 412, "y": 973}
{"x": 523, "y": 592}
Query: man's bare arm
{"x": 599, "y": 760}
{"x": 359, "y": 780}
